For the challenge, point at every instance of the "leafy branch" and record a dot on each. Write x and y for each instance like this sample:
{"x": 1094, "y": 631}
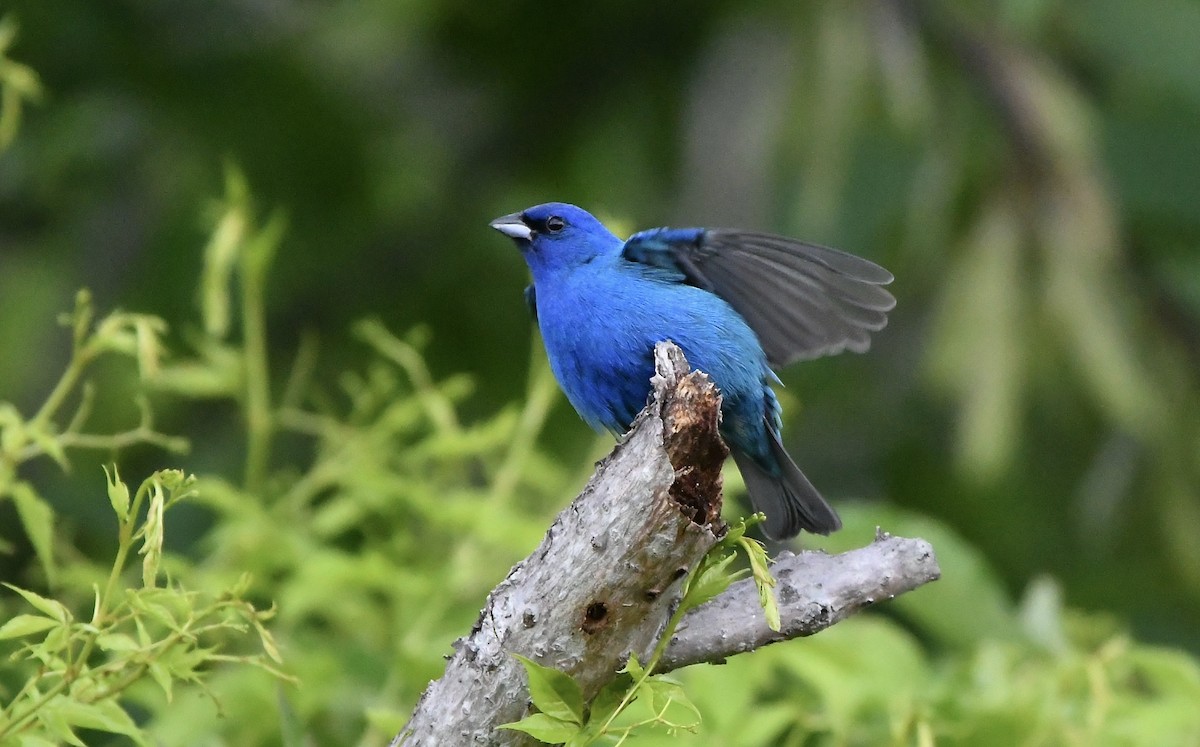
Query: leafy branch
{"x": 84, "y": 667}
{"x": 136, "y": 336}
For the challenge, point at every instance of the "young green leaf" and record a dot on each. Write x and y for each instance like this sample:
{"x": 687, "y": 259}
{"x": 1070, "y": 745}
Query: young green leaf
{"x": 634, "y": 668}
{"x": 49, "y": 444}
{"x": 116, "y": 642}
{"x": 162, "y": 677}
{"x": 38, "y": 520}
{"x": 81, "y": 318}
{"x": 12, "y": 429}
{"x": 267, "y": 640}
{"x": 714, "y": 577}
{"x": 153, "y": 543}
{"x": 610, "y": 696}
{"x": 42, "y": 604}
{"x": 53, "y": 719}
{"x": 23, "y": 625}
{"x": 103, "y": 715}
{"x": 663, "y": 692}
{"x": 761, "y": 571}
{"x": 545, "y": 728}
{"x": 118, "y": 493}
{"x": 555, "y": 693}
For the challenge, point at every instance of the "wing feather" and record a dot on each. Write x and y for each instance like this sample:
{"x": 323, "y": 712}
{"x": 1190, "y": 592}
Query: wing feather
{"x": 802, "y": 300}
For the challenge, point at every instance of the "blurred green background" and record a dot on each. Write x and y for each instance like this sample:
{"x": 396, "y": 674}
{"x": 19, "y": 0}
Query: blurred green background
{"x": 1028, "y": 169}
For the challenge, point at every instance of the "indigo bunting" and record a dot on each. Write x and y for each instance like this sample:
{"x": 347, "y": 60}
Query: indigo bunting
{"x": 737, "y": 303}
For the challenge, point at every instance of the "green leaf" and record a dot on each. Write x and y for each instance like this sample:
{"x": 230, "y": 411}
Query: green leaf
{"x": 160, "y": 612}
{"x": 117, "y": 642}
{"x": 659, "y": 691}
{"x": 81, "y": 318}
{"x": 150, "y": 349}
{"x": 23, "y": 625}
{"x": 103, "y": 715}
{"x": 118, "y": 493}
{"x": 38, "y": 520}
{"x": 162, "y": 677}
{"x": 663, "y": 692}
{"x": 50, "y": 446}
{"x": 55, "y": 642}
{"x": 604, "y": 705}
{"x": 634, "y": 668}
{"x": 714, "y": 578}
{"x": 555, "y": 693}
{"x": 52, "y": 718}
{"x": 260, "y": 248}
{"x": 12, "y": 429}
{"x": 267, "y": 640}
{"x": 545, "y": 728}
{"x": 42, "y": 604}
{"x": 152, "y": 544}
{"x": 761, "y": 571}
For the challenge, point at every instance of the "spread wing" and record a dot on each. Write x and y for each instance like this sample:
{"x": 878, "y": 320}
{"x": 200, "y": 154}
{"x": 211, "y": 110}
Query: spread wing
{"x": 802, "y": 300}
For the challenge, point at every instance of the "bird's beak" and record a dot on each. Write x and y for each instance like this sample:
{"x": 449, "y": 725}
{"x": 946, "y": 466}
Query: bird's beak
{"x": 513, "y": 227}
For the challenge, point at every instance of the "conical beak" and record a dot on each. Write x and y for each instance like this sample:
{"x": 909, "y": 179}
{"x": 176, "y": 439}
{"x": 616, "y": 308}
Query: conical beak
{"x": 513, "y": 227}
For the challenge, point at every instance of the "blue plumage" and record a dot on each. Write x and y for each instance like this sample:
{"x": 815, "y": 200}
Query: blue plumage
{"x": 735, "y": 302}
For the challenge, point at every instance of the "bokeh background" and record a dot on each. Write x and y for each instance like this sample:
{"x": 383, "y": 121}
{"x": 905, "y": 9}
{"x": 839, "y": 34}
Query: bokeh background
{"x": 1028, "y": 169}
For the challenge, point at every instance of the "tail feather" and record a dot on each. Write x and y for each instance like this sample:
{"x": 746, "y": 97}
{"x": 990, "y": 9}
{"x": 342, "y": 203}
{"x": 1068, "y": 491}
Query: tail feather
{"x": 788, "y": 499}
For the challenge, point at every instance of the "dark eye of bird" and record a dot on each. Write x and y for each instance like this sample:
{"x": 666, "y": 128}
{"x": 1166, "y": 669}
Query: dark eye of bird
{"x": 554, "y": 224}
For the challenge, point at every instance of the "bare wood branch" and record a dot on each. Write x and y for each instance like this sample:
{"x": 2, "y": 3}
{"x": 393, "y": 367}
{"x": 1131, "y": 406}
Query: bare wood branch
{"x": 814, "y": 590}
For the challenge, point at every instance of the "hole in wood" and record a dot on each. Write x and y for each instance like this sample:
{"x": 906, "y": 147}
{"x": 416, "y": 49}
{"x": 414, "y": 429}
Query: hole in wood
{"x": 595, "y": 617}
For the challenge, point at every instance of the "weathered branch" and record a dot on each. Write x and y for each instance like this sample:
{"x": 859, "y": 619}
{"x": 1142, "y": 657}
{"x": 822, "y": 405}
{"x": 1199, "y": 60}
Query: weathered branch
{"x": 605, "y": 579}
{"x": 814, "y": 590}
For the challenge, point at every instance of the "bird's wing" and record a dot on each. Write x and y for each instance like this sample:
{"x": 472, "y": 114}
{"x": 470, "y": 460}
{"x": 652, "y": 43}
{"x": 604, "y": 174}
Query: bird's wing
{"x": 802, "y": 300}
{"x": 531, "y": 301}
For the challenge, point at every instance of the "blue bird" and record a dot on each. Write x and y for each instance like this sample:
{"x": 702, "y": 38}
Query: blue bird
{"x": 737, "y": 303}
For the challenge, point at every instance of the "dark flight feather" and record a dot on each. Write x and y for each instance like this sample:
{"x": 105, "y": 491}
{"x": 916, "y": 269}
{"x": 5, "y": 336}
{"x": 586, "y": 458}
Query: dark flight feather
{"x": 802, "y": 300}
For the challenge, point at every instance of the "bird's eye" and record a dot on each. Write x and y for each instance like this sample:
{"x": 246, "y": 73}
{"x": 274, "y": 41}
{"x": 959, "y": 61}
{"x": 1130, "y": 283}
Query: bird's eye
{"x": 554, "y": 224}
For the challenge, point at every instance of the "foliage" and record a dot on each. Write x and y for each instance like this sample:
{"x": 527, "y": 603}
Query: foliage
{"x": 74, "y": 672}
{"x": 79, "y": 672}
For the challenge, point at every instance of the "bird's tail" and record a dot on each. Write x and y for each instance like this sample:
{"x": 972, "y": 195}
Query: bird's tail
{"x": 789, "y": 500}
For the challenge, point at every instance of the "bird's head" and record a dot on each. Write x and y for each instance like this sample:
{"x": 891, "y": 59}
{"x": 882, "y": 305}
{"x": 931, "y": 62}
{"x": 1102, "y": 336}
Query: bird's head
{"x": 557, "y": 236}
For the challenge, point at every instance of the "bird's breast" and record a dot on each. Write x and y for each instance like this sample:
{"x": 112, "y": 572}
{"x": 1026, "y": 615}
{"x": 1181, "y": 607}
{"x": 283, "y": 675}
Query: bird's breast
{"x": 600, "y": 329}
{"x": 599, "y": 349}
